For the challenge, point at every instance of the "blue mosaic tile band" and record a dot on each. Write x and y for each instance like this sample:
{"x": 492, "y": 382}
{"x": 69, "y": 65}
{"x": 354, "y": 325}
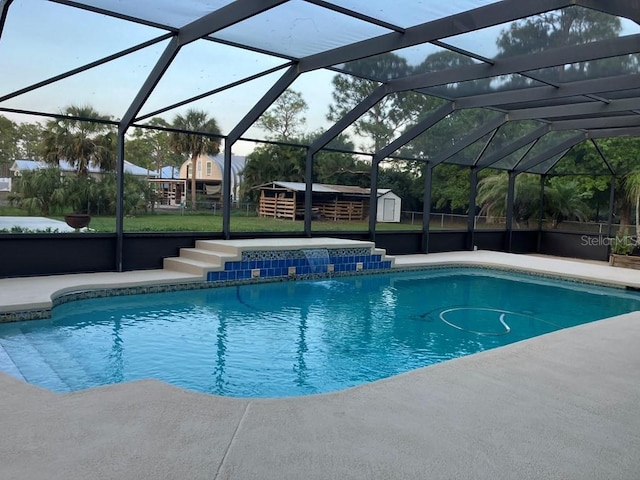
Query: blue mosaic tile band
{"x": 276, "y": 263}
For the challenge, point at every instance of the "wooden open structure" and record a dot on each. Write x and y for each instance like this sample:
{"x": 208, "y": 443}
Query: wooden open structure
{"x": 329, "y": 202}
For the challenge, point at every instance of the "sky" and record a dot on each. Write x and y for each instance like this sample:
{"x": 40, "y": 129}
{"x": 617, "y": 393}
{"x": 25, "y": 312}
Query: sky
{"x": 46, "y": 39}
{"x": 42, "y": 39}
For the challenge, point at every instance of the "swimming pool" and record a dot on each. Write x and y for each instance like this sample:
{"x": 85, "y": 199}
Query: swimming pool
{"x": 298, "y": 338}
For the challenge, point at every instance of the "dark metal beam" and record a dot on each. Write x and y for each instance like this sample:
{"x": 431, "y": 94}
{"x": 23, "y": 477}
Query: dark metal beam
{"x": 485, "y": 147}
{"x": 426, "y": 206}
{"x": 522, "y": 63}
{"x": 150, "y": 83}
{"x": 413, "y": 132}
{"x": 57, "y": 116}
{"x": 557, "y": 160}
{"x": 597, "y": 123}
{"x": 120, "y": 199}
{"x": 211, "y": 92}
{"x": 86, "y": 67}
{"x": 264, "y": 103}
{"x": 535, "y": 94}
{"x": 612, "y": 204}
{"x": 551, "y": 152}
{"x": 373, "y": 200}
{"x": 604, "y": 159}
{"x": 595, "y": 109}
{"x": 474, "y": 136}
{"x": 487, "y": 16}
{"x": 224, "y": 17}
{"x": 615, "y": 132}
{"x": 621, "y": 8}
{"x": 335, "y": 130}
{"x": 513, "y": 147}
{"x": 543, "y": 182}
{"x": 358, "y": 15}
{"x": 110, "y": 13}
{"x": 308, "y": 198}
{"x": 249, "y": 119}
{"x": 359, "y": 110}
{"x": 471, "y": 216}
{"x": 4, "y": 10}
{"x": 511, "y": 188}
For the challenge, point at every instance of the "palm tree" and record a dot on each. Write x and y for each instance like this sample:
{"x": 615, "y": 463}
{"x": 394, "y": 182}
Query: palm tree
{"x": 492, "y": 196}
{"x": 195, "y": 144}
{"x": 40, "y": 191}
{"x": 561, "y": 198}
{"x": 563, "y": 201}
{"x": 82, "y": 143}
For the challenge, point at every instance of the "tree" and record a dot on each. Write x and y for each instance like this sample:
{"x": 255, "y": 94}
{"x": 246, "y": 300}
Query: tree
{"x": 150, "y": 148}
{"x": 450, "y": 187}
{"x": 284, "y": 120}
{"x": 82, "y": 143}
{"x": 492, "y": 196}
{"x": 40, "y": 191}
{"x": 205, "y": 141}
{"x": 8, "y": 147}
{"x": 632, "y": 188}
{"x": 29, "y": 140}
{"x": 390, "y": 115}
{"x": 404, "y": 183}
{"x": 559, "y": 28}
{"x": 563, "y": 200}
{"x": 269, "y": 163}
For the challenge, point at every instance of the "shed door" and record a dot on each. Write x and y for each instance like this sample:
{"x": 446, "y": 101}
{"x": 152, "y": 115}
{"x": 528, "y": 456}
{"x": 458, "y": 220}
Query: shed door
{"x": 388, "y": 209}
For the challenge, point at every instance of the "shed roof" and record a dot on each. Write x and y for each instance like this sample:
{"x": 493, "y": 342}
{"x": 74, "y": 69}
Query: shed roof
{"x": 323, "y": 188}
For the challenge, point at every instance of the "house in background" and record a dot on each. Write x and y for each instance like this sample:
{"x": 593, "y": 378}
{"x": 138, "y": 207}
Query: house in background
{"x": 209, "y": 175}
{"x": 329, "y": 202}
{"x": 67, "y": 168}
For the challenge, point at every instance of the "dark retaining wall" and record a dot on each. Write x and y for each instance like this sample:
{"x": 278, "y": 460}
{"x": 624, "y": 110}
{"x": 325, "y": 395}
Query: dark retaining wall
{"x": 50, "y": 254}
{"x": 588, "y": 246}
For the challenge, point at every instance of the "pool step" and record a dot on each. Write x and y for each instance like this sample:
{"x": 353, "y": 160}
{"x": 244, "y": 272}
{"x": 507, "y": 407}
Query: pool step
{"x": 207, "y": 256}
{"x": 34, "y": 367}
{"x": 211, "y": 255}
{"x": 8, "y": 366}
{"x": 219, "y": 246}
{"x": 62, "y": 360}
{"x": 188, "y": 265}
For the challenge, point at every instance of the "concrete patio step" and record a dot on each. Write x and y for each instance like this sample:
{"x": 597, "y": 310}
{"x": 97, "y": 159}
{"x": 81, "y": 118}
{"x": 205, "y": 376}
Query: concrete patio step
{"x": 207, "y": 256}
{"x": 189, "y": 265}
{"x": 219, "y": 246}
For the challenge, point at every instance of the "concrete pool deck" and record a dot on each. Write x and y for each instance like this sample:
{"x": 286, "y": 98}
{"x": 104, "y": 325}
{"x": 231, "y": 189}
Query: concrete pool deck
{"x": 560, "y": 406}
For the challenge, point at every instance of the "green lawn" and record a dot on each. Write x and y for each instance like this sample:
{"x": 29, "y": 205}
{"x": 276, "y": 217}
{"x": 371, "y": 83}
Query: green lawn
{"x": 208, "y": 222}
{"x": 239, "y": 223}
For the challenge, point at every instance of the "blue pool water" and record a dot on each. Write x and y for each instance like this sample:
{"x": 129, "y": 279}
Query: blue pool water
{"x": 298, "y": 338}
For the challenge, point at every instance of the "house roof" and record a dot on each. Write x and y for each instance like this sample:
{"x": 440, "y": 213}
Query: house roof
{"x": 29, "y": 165}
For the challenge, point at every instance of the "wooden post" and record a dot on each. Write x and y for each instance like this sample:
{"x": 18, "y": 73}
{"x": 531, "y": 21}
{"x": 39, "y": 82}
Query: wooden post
{"x": 275, "y": 206}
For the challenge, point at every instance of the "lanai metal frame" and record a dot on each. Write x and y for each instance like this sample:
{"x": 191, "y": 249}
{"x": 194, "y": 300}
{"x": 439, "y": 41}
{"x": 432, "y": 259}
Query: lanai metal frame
{"x": 588, "y": 108}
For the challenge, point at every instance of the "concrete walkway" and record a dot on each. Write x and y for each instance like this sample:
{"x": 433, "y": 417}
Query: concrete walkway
{"x": 561, "y": 406}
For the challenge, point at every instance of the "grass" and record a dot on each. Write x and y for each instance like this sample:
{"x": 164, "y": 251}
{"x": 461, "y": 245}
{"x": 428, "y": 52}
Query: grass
{"x": 206, "y": 221}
